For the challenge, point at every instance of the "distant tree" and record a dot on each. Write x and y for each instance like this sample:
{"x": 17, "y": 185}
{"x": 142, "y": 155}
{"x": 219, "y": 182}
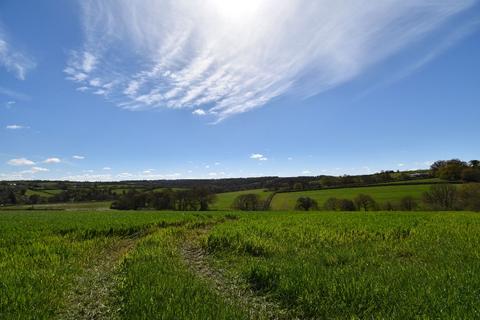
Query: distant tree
{"x": 306, "y": 204}
{"x": 435, "y": 167}
{"x": 247, "y": 202}
{"x": 339, "y": 204}
{"x": 345, "y": 205}
{"x": 388, "y": 206}
{"x": 122, "y": 204}
{"x": 471, "y": 174}
{"x": 34, "y": 199}
{"x": 474, "y": 163}
{"x": 298, "y": 186}
{"x": 365, "y": 202}
{"x": 408, "y": 203}
{"x": 404, "y": 176}
{"x": 469, "y": 196}
{"x": 449, "y": 170}
{"x": 328, "y": 181}
{"x": 441, "y": 196}
{"x": 186, "y": 200}
{"x": 132, "y": 200}
{"x": 205, "y": 198}
{"x": 12, "y": 198}
{"x": 330, "y": 204}
{"x": 164, "y": 200}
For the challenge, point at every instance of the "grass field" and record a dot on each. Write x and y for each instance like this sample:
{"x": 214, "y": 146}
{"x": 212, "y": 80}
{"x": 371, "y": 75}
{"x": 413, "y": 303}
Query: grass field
{"x": 381, "y": 194}
{"x": 231, "y": 265}
{"x": 43, "y": 192}
{"x": 91, "y": 205}
{"x": 346, "y": 266}
{"x": 224, "y": 200}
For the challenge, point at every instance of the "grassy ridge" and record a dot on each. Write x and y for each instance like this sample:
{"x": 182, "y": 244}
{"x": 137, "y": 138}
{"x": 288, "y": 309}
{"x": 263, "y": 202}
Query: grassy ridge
{"x": 381, "y": 194}
{"x": 348, "y": 266}
{"x": 224, "y": 200}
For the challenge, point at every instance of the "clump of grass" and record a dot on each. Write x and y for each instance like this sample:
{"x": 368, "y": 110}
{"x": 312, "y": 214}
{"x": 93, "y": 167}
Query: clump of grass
{"x": 256, "y": 247}
{"x": 230, "y": 216}
{"x": 262, "y": 278}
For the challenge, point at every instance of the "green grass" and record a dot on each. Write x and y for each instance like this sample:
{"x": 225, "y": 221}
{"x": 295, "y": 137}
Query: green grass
{"x": 91, "y": 205}
{"x": 357, "y": 266}
{"x": 43, "y": 192}
{"x": 158, "y": 285}
{"x": 381, "y": 194}
{"x": 42, "y": 253}
{"x": 391, "y": 265}
{"x": 224, "y": 200}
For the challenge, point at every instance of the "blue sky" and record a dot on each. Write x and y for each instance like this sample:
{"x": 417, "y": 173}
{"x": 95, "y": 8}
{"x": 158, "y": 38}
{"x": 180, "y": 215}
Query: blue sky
{"x": 113, "y": 90}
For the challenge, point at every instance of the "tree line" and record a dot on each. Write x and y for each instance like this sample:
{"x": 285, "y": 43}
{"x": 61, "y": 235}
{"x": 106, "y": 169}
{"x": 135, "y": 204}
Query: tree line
{"x": 457, "y": 170}
{"x": 439, "y": 197}
{"x": 15, "y": 192}
{"x": 197, "y": 199}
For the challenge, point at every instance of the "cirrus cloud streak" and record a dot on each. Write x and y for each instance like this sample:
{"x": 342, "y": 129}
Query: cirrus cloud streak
{"x": 203, "y": 55}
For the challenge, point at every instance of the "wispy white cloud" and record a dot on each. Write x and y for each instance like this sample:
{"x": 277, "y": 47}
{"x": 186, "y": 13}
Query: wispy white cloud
{"x": 78, "y": 157}
{"x": 38, "y": 169}
{"x": 15, "y": 127}
{"x": 258, "y": 156}
{"x": 306, "y": 172}
{"x": 52, "y": 160}
{"x": 224, "y": 57}
{"x": 107, "y": 168}
{"x": 24, "y": 174}
{"x": 12, "y": 59}
{"x": 20, "y": 162}
{"x": 89, "y": 177}
{"x": 146, "y": 175}
{"x": 199, "y": 112}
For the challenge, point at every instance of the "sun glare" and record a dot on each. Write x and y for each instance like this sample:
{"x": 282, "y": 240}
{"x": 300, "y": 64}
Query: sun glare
{"x": 236, "y": 9}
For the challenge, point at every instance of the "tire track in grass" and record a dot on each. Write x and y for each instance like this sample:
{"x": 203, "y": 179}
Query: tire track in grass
{"x": 93, "y": 295}
{"x": 233, "y": 289}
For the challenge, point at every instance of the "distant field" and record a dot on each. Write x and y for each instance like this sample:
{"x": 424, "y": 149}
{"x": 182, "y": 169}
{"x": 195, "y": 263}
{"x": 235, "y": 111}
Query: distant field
{"x": 234, "y": 265}
{"x": 225, "y": 200}
{"x": 43, "y": 192}
{"x": 93, "y": 205}
{"x": 381, "y": 194}
{"x": 419, "y": 181}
